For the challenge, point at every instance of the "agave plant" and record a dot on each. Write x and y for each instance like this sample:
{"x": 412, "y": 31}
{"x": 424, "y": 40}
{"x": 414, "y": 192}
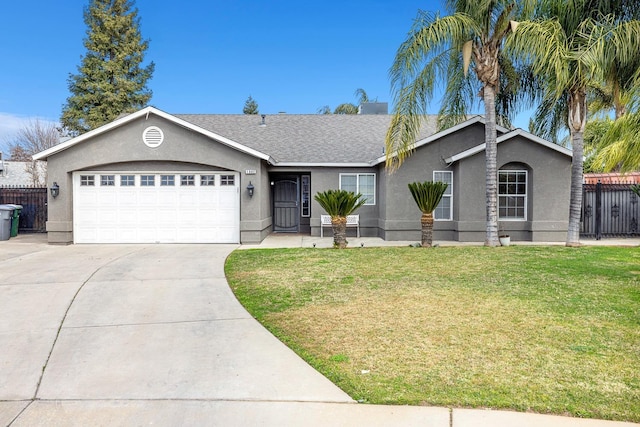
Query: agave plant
{"x": 427, "y": 196}
{"x": 636, "y": 189}
{"x": 339, "y": 204}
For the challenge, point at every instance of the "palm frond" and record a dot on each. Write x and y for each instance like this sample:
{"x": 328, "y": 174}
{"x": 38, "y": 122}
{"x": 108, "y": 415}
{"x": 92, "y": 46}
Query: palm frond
{"x": 427, "y": 194}
{"x": 421, "y": 61}
{"x": 620, "y": 145}
{"x": 339, "y": 203}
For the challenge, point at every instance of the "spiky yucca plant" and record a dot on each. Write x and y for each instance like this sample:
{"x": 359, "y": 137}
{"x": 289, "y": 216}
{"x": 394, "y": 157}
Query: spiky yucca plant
{"x": 427, "y": 196}
{"x": 339, "y": 204}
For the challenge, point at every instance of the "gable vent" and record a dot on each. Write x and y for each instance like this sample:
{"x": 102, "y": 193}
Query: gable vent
{"x": 153, "y": 136}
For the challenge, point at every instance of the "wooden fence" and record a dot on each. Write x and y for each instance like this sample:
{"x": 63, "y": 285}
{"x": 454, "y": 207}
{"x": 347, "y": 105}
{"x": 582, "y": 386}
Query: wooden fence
{"x": 33, "y": 217}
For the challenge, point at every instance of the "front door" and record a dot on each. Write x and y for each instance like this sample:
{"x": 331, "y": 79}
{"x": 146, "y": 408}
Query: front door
{"x": 286, "y": 215}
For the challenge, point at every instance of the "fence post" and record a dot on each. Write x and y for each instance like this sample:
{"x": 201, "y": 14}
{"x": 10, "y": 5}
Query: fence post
{"x": 598, "y": 210}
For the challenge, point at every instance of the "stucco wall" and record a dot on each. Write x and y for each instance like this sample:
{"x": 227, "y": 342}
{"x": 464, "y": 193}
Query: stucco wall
{"x": 400, "y": 216}
{"x": 394, "y": 216}
{"x": 547, "y": 191}
{"x": 328, "y": 178}
{"x": 122, "y": 149}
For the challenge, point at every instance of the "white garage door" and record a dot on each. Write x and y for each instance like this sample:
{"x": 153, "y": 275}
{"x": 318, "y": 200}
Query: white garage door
{"x": 167, "y": 207}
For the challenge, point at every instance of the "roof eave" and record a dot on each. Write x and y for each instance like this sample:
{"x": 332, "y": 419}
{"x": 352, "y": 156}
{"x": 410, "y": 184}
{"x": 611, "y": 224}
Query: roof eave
{"x": 323, "y": 164}
{"x": 441, "y": 134}
{"x": 517, "y": 132}
{"x": 145, "y": 112}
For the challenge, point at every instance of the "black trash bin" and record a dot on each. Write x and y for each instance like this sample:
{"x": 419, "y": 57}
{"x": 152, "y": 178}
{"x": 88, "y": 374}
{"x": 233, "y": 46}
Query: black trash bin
{"x": 15, "y": 219}
{"x": 6, "y": 213}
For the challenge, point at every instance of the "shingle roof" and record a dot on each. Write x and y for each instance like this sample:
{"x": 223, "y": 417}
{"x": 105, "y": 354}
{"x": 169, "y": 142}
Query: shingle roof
{"x": 312, "y": 138}
{"x": 286, "y": 139}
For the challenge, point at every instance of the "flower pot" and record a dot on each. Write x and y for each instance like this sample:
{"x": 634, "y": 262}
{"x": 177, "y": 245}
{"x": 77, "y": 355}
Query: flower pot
{"x": 504, "y": 240}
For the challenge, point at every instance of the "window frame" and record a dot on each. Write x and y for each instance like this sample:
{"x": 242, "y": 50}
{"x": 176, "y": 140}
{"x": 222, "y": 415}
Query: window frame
{"x": 127, "y": 180}
{"x": 107, "y": 180}
{"x": 187, "y": 180}
{"x": 305, "y": 196}
{"x": 524, "y": 196}
{"x": 227, "y": 180}
{"x": 358, "y": 175}
{"x": 87, "y": 181}
{"x": 167, "y": 180}
{"x": 207, "y": 180}
{"x": 147, "y": 180}
{"x": 449, "y": 196}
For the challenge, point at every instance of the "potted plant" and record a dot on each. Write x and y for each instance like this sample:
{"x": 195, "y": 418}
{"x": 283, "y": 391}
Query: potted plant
{"x": 503, "y": 237}
{"x": 339, "y": 204}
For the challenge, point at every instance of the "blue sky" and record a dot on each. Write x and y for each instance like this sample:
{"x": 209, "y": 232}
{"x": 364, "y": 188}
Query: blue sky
{"x": 210, "y": 56}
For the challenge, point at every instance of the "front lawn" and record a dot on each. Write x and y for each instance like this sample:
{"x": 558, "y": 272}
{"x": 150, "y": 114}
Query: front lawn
{"x": 528, "y": 328}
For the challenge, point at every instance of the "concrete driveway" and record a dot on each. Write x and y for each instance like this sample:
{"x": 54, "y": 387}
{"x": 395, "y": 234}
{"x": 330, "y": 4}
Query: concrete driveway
{"x": 123, "y": 335}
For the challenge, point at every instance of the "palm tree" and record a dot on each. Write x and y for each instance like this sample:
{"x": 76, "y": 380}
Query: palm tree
{"x": 568, "y": 51}
{"x": 619, "y": 147}
{"x": 347, "y": 107}
{"x": 339, "y": 204}
{"x": 427, "y": 196}
{"x": 443, "y": 49}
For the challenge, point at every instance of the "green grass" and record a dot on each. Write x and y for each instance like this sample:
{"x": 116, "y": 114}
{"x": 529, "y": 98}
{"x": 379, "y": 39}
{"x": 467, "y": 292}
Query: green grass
{"x": 528, "y": 328}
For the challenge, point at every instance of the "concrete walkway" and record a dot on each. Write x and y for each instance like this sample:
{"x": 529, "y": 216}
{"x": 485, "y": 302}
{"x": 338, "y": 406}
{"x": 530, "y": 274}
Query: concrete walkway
{"x": 151, "y": 334}
{"x": 292, "y": 240}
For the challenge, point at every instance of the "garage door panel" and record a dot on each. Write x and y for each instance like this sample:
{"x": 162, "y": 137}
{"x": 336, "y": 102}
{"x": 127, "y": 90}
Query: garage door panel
{"x": 155, "y": 213}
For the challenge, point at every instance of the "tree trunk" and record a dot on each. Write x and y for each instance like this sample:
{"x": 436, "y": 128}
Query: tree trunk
{"x": 577, "y": 122}
{"x": 427, "y": 229}
{"x": 491, "y": 159}
{"x": 339, "y": 226}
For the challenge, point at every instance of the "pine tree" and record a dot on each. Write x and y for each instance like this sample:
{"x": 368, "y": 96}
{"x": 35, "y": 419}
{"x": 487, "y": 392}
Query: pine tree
{"x": 110, "y": 79}
{"x": 250, "y": 106}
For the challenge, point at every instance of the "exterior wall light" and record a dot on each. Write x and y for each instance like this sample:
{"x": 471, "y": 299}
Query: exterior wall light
{"x": 55, "y": 190}
{"x": 250, "y": 189}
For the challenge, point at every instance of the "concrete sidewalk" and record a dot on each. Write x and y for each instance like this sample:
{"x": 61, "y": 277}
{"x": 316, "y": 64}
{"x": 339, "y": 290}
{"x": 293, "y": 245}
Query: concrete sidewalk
{"x": 151, "y": 334}
{"x": 293, "y": 240}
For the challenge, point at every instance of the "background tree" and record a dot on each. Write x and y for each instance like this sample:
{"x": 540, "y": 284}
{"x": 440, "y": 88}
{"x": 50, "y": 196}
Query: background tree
{"x": 34, "y": 137}
{"x": 110, "y": 79}
{"x": 427, "y": 196}
{"x": 250, "y": 106}
{"x": 443, "y": 49}
{"x": 347, "y": 107}
{"x": 570, "y": 48}
{"x": 339, "y": 204}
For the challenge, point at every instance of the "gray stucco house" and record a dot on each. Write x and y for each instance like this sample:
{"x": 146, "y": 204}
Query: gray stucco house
{"x": 155, "y": 177}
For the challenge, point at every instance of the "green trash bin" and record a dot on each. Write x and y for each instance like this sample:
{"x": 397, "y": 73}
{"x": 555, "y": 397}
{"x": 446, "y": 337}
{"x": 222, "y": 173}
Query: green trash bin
{"x": 15, "y": 219}
{"x": 5, "y": 222}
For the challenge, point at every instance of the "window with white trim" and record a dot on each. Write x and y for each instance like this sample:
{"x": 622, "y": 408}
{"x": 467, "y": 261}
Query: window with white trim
{"x": 512, "y": 195}
{"x": 305, "y": 195}
{"x": 444, "y": 210}
{"x": 127, "y": 181}
{"x": 87, "y": 180}
{"x": 147, "y": 180}
{"x": 187, "y": 180}
{"x": 107, "y": 180}
{"x": 363, "y": 183}
{"x": 167, "y": 180}
{"x": 207, "y": 180}
{"x": 227, "y": 180}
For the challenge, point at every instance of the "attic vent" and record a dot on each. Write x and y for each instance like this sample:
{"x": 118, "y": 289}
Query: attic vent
{"x": 153, "y": 136}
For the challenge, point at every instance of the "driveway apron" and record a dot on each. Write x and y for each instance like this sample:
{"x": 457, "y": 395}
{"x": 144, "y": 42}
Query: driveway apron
{"x": 137, "y": 322}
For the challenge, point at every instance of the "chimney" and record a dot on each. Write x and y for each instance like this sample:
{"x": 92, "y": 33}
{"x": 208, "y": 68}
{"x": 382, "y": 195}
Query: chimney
{"x": 373, "y": 108}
